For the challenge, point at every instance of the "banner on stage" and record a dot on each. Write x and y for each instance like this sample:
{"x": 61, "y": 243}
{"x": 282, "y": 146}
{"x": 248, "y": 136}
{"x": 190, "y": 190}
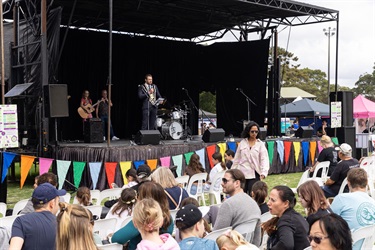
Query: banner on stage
{"x": 336, "y": 115}
{"x": 8, "y": 126}
{"x": 285, "y": 124}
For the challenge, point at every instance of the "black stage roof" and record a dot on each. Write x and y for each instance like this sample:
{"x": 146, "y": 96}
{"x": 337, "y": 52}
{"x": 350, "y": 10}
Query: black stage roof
{"x": 188, "y": 19}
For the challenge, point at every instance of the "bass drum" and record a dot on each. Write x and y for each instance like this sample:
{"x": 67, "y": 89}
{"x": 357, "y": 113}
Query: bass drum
{"x": 172, "y": 130}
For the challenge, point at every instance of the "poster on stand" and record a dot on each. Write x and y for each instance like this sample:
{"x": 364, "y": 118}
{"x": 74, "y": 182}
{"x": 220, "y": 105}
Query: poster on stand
{"x": 336, "y": 118}
{"x": 8, "y": 126}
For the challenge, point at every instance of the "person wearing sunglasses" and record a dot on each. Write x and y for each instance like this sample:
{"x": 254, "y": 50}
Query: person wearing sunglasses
{"x": 251, "y": 156}
{"x": 330, "y": 232}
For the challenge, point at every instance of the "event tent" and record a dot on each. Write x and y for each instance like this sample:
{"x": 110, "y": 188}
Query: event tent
{"x": 363, "y": 108}
{"x": 306, "y": 108}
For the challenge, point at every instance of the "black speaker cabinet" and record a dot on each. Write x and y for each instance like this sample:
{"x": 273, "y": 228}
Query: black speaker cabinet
{"x": 347, "y": 135}
{"x": 262, "y": 133}
{"x": 145, "y": 137}
{"x": 93, "y": 131}
{"x": 304, "y": 132}
{"x": 56, "y": 100}
{"x": 346, "y": 99}
{"x": 213, "y": 135}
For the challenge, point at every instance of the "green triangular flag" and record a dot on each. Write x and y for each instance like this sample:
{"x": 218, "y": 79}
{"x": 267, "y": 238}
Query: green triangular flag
{"x": 271, "y": 145}
{"x": 78, "y": 168}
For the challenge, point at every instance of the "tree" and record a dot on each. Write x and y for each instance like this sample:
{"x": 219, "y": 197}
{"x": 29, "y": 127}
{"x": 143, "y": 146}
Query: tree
{"x": 207, "y": 101}
{"x": 366, "y": 85}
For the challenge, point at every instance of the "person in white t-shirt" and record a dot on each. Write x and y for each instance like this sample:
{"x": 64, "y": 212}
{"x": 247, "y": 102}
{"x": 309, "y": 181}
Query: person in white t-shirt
{"x": 219, "y": 166}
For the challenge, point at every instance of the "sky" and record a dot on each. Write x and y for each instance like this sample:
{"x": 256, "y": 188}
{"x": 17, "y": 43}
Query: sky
{"x": 356, "y": 40}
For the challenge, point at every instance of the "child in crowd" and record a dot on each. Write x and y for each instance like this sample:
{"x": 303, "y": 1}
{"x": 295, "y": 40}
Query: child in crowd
{"x": 83, "y": 196}
{"x": 233, "y": 240}
{"x": 259, "y": 192}
{"x": 131, "y": 176}
{"x": 148, "y": 219}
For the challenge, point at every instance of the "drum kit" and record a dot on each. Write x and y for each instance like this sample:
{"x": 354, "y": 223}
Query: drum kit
{"x": 172, "y": 122}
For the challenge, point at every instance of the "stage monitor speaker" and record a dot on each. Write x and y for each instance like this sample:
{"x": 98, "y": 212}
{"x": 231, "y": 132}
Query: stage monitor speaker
{"x": 93, "y": 131}
{"x": 347, "y": 135}
{"x": 213, "y": 135}
{"x": 346, "y": 99}
{"x": 262, "y": 133}
{"x": 56, "y": 100}
{"x": 304, "y": 132}
{"x": 146, "y": 137}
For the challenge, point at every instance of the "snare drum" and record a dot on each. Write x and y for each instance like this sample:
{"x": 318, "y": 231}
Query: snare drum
{"x": 176, "y": 115}
{"x": 172, "y": 129}
{"x": 159, "y": 122}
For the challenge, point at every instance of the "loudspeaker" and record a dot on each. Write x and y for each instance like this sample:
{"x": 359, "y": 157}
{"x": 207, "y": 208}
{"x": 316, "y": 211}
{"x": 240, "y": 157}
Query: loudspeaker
{"x": 56, "y": 100}
{"x": 346, "y": 99}
{"x": 213, "y": 135}
{"x": 262, "y": 133}
{"x": 145, "y": 137}
{"x": 304, "y": 132}
{"x": 93, "y": 131}
{"x": 347, "y": 135}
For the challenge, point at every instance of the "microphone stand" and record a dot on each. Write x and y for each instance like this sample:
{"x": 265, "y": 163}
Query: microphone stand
{"x": 248, "y": 100}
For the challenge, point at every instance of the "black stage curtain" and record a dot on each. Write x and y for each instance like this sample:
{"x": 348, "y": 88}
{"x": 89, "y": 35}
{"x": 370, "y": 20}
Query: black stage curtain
{"x": 173, "y": 64}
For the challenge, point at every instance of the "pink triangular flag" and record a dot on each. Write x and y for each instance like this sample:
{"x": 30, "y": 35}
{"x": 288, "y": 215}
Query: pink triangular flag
{"x": 44, "y": 165}
{"x": 165, "y": 161}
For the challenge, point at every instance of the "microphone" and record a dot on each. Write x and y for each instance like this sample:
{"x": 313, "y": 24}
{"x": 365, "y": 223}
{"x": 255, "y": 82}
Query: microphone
{"x": 184, "y": 89}
{"x": 238, "y": 89}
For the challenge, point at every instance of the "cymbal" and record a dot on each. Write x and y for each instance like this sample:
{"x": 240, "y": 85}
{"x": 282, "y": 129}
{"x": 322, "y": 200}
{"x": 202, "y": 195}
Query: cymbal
{"x": 163, "y": 111}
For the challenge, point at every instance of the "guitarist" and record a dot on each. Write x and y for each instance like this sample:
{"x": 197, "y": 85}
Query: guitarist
{"x": 86, "y": 103}
{"x": 148, "y": 93}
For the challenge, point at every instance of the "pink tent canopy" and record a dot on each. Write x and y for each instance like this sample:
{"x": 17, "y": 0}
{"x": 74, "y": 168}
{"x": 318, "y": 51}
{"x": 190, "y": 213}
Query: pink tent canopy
{"x": 363, "y": 108}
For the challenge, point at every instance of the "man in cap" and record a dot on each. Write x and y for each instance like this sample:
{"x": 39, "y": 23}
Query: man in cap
{"x": 143, "y": 174}
{"x": 191, "y": 225}
{"x": 37, "y": 230}
{"x": 332, "y": 185}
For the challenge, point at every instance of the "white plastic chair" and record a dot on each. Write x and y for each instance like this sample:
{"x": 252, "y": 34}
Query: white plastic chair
{"x": 112, "y": 193}
{"x": 126, "y": 221}
{"x": 105, "y": 227}
{"x": 95, "y": 194}
{"x": 199, "y": 194}
{"x": 366, "y": 234}
{"x": 247, "y": 229}
{"x": 265, "y": 217}
{"x": 7, "y": 222}
{"x": 343, "y": 185}
{"x": 324, "y": 165}
{"x": 3, "y": 209}
{"x": 303, "y": 178}
{"x": 113, "y": 246}
{"x": 66, "y": 197}
{"x": 19, "y": 206}
{"x": 173, "y": 213}
{"x": 216, "y": 189}
{"x": 215, "y": 234}
{"x": 95, "y": 210}
{"x": 183, "y": 180}
{"x": 204, "y": 210}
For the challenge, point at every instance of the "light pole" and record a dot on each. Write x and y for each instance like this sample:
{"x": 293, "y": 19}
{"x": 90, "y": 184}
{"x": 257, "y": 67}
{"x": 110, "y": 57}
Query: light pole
{"x": 330, "y": 32}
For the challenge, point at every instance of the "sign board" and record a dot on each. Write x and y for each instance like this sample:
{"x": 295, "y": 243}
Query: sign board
{"x": 285, "y": 124}
{"x": 336, "y": 115}
{"x": 8, "y": 126}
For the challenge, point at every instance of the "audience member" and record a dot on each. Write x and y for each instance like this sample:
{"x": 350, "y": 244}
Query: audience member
{"x": 74, "y": 228}
{"x": 322, "y": 129}
{"x": 148, "y": 218}
{"x": 38, "y": 229}
{"x": 233, "y": 240}
{"x": 357, "y": 207}
{"x": 259, "y": 193}
{"x": 5, "y": 237}
{"x": 229, "y": 156}
{"x": 333, "y": 184}
{"x": 239, "y": 208}
{"x": 143, "y": 174}
{"x": 151, "y": 190}
{"x": 313, "y": 200}
{"x": 131, "y": 177}
{"x": 36, "y": 181}
{"x": 124, "y": 207}
{"x": 330, "y": 232}
{"x": 327, "y": 154}
{"x": 190, "y": 223}
{"x": 288, "y": 229}
{"x": 194, "y": 167}
{"x": 251, "y": 156}
{"x": 174, "y": 192}
{"x": 219, "y": 166}
{"x": 84, "y": 196}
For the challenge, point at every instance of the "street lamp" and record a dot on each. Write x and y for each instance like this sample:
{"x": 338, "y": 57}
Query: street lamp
{"x": 330, "y": 32}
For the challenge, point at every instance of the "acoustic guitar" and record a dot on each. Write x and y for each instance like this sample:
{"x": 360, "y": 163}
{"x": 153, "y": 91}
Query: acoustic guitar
{"x": 87, "y": 110}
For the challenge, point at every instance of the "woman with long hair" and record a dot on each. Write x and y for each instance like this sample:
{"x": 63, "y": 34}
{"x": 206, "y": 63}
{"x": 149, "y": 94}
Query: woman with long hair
{"x": 251, "y": 156}
{"x": 152, "y": 190}
{"x": 219, "y": 166}
{"x": 259, "y": 193}
{"x": 84, "y": 196}
{"x": 166, "y": 179}
{"x": 194, "y": 166}
{"x": 124, "y": 207}
{"x": 74, "y": 228}
{"x": 327, "y": 154}
{"x": 313, "y": 200}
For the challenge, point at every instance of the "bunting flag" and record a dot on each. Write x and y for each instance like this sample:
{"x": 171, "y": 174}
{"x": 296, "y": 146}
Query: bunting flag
{"x": 335, "y": 140}
{"x": 44, "y": 165}
{"x": 210, "y": 151}
{"x": 312, "y": 151}
{"x": 287, "y": 148}
{"x": 222, "y": 148}
{"x": 232, "y": 145}
{"x": 165, "y": 161}
{"x": 187, "y": 157}
{"x": 297, "y": 150}
{"x": 280, "y": 150}
{"x": 125, "y": 166}
{"x": 270, "y": 146}
{"x": 26, "y": 163}
{"x": 94, "y": 172}
{"x": 78, "y": 168}
{"x": 177, "y": 161}
{"x": 320, "y": 148}
{"x": 62, "y": 170}
{"x": 152, "y": 163}
{"x": 305, "y": 150}
{"x": 202, "y": 160}
{"x": 138, "y": 163}
{"x": 110, "y": 170}
{"x": 7, "y": 160}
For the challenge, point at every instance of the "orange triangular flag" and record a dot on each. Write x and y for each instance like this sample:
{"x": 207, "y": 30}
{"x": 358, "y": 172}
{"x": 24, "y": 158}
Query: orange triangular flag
{"x": 26, "y": 163}
{"x": 152, "y": 163}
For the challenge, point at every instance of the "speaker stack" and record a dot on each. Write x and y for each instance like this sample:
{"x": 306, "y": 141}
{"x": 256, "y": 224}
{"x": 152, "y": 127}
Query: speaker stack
{"x": 93, "y": 130}
{"x": 148, "y": 137}
{"x": 56, "y": 100}
{"x": 213, "y": 135}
